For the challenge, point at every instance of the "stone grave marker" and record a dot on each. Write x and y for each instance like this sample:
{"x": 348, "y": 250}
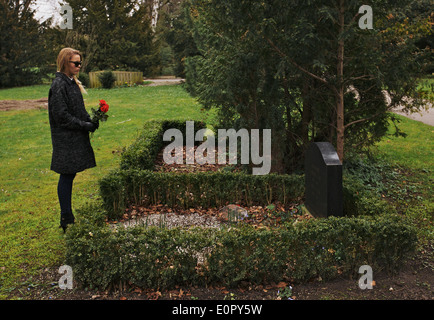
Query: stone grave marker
{"x": 323, "y": 180}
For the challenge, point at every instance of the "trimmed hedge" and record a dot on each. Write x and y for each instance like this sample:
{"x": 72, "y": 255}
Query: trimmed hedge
{"x": 135, "y": 182}
{"x": 155, "y": 257}
{"x": 121, "y": 188}
{"x": 202, "y": 189}
{"x": 142, "y": 153}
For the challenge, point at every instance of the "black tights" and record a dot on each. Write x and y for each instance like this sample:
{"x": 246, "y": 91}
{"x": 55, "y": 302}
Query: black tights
{"x": 64, "y": 191}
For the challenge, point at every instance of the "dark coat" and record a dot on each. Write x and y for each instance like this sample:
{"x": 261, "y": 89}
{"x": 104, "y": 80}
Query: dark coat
{"x": 72, "y": 151}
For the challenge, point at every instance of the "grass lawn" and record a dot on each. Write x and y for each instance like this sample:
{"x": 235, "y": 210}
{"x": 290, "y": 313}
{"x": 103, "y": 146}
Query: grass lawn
{"x": 414, "y": 151}
{"x": 29, "y": 212}
{"x": 412, "y": 160}
{"x": 30, "y": 239}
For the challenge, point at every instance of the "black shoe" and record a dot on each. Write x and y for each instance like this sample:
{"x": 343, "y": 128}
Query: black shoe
{"x": 65, "y": 219}
{"x": 64, "y": 226}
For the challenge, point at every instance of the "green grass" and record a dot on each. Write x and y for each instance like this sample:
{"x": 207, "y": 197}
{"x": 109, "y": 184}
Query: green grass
{"x": 426, "y": 88}
{"x": 29, "y": 212}
{"x": 30, "y": 239}
{"x": 412, "y": 160}
{"x": 415, "y": 150}
{"x": 25, "y": 93}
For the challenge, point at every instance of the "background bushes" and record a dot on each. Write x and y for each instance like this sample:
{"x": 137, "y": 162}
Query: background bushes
{"x": 107, "y": 79}
{"x": 84, "y": 79}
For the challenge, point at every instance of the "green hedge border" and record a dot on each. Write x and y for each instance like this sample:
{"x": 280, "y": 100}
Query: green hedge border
{"x": 153, "y": 257}
{"x": 135, "y": 182}
{"x": 142, "y": 153}
{"x": 202, "y": 189}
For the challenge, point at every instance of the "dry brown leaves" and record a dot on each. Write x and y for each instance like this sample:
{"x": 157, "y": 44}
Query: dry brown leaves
{"x": 161, "y": 166}
{"x": 257, "y": 216}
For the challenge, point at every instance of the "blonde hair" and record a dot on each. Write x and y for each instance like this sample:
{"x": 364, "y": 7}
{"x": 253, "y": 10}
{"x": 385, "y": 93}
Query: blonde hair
{"x": 63, "y": 59}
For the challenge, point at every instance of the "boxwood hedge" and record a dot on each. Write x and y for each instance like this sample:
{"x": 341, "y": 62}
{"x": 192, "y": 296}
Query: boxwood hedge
{"x": 142, "y": 153}
{"x": 203, "y": 189}
{"x": 153, "y": 257}
{"x": 104, "y": 257}
{"x": 135, "y": 182}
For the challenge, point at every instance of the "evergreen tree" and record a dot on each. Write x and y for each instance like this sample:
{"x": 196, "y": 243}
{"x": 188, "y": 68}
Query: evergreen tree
{"x": 304, "y": 69}
{"x": 175, "y": 32}
{"x": 114, "y": 35}
{"x": 23, "y": 54}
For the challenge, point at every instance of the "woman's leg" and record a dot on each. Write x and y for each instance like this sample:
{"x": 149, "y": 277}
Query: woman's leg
{"x": 64, "y": 192}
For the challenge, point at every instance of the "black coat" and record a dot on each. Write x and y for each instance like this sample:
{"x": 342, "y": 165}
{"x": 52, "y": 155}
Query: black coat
{"x": 72, "y": 151}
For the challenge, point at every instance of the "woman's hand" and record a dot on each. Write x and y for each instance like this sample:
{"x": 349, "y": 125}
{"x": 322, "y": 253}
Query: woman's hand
{"x": 90, "y": 126}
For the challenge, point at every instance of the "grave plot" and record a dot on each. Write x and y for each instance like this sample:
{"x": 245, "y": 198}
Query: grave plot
{"x": 165, "y": 215}
{"x": 218, "y": 226}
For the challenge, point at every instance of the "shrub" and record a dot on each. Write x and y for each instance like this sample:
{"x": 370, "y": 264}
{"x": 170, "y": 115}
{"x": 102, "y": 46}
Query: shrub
{"x": 107, "y": 79}
{"x": 201, "y": 189}
{"x": 84, "y": 79}
{"x": 358, "y": 200}
{"x": 158, "y": 257}
{"x": 136, "y": 183}
{"x": 142, "y": 153}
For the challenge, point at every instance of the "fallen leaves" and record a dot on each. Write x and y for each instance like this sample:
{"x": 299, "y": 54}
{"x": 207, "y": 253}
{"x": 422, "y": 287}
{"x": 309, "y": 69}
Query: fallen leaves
{"x": 257, "y": 216}
{"x": 161, "y": 166}
{"x": 282, "y": 285}
{"x": 177, "y": 293}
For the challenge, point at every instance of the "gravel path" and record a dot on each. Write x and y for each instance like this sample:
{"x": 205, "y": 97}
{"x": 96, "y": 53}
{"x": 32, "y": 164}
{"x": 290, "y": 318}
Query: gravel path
{"x": 164, "y": 81}
{"x": 425, "y": 116}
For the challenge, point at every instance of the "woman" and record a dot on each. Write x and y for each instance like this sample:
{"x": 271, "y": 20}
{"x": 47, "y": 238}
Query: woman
{"x": 70, "y": 126}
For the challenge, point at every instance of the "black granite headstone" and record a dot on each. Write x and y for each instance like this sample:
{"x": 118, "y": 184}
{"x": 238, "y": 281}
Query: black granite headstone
{"x": 323, "y": 180}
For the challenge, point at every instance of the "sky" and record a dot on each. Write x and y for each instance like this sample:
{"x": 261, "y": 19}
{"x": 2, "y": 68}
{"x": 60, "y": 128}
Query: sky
{"x": 46, "y": 9}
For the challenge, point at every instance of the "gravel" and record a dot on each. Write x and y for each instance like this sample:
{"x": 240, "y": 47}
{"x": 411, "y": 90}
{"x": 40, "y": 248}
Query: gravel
{"x": 171, "y": 220}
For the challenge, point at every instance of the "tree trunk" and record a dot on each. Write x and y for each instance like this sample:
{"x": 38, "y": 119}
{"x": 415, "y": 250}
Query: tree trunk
{"x": 154, "y": 14}
{"x": 340, "y": 124}
{"x": 340, "y": 127}
{"x": 306, "y": 113}
{"x": 290, "y": 144}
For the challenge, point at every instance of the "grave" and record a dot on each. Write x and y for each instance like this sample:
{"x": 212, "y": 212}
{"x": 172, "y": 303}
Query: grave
{"x": 323, "y": 180}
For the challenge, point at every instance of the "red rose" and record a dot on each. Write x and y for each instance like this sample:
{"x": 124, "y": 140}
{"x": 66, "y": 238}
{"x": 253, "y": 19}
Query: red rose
{"x": 104, "y": 107}
{"x": 101, "y": 113}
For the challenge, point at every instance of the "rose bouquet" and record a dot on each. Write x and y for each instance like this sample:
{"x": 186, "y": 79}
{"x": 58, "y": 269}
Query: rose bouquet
{"x": 101, "y": 113}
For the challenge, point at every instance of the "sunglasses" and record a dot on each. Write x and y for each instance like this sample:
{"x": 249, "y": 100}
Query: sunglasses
{"x": 76, "y": 63}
